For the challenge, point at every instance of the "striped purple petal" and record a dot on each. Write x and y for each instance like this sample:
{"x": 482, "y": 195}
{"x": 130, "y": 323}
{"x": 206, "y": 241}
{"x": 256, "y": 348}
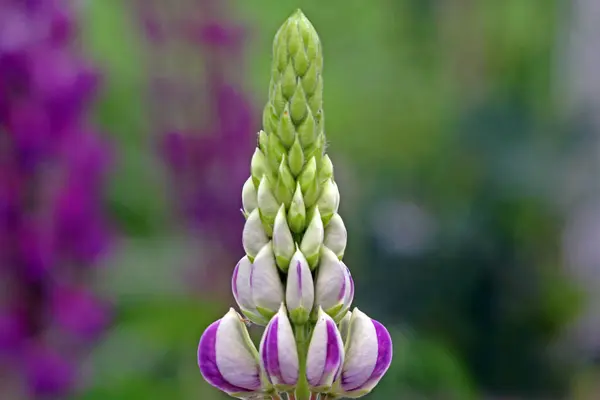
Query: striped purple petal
{"x": 278, "y": 351}
{"x": 221, "y": 344}
{"x": 369, "y": 354}
{"x": 325, "y": 353}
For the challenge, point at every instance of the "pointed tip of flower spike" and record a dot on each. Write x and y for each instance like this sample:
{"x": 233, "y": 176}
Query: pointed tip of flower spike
{"x": 227, "y": 358}
{"x": 368, "y": 356}
{"x": 325, "y": 355}
{"x": 278, "y": 352}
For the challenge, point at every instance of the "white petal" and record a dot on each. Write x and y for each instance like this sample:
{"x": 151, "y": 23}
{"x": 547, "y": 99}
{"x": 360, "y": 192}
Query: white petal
{"x": 288, "y": 353}
{"x": 266, "y": 201}
{"x": 236, "y": 357}
{"x": 300, "y": 291}
{"x": 254, "y": 237}
{"x": 317, "y": 351}
{"x": 336, "y": 236}
{"x": 249, "y": 193}
{"x": 331, "y": 281}
{"x": 240, "y": 284}
{"x": 267, "y": 288}
{"x": 361, "y": 350}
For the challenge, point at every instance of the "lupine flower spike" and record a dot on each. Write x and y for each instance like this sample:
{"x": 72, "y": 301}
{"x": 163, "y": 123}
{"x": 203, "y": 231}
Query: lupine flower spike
{"x": 292, "y": 279}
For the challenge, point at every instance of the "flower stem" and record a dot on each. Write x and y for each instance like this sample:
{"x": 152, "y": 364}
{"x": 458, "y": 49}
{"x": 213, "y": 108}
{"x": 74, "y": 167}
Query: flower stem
{"x": 314, "y": 396}
{"x": 302, "y": 391}
{"x": 291, "y": 396}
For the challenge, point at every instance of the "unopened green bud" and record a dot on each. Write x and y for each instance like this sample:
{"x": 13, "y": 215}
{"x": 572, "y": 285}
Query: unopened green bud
{"x": 263, "y": 141}
{"x": 313, "y": 240}
{"x": 307, "y": 177}
{"x": 267, "y": 203}
{"x": 283, "y": 242}
{"x": 326, "y": 171}
{"x": 298, "y": 108}
{"x": 296, "y": 158}
{"x": 286, "y": 130}
{"x": 297, "y": 212}
{"x": 308, "y": 130}
{"x": 275, "y": 151}
{"x": 284, "y": 189}
{"x": 328, "y": 201}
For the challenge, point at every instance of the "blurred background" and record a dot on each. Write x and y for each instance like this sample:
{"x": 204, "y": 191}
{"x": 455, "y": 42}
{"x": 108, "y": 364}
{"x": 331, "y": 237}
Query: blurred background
{"x": 465, "y": 137}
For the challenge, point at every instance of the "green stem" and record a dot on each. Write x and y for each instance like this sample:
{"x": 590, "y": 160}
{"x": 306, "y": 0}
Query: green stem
{"x": 302, "y": 390}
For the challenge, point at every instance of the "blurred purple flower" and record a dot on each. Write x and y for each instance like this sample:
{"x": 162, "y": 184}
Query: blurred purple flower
{"x": 207, "y": 156}
{"x": 52, "y": 171}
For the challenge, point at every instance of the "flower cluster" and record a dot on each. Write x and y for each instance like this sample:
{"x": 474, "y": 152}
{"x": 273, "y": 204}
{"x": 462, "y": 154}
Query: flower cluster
{"x": 292, "y": 279}
{"x": 52, "y": 227}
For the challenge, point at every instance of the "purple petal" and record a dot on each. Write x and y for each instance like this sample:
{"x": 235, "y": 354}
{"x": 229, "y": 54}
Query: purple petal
{"x": 385, "y": 351}
{"x": 333, "y": 361}
{"x": 207, "y": 361}
{"x": 299, "y": 274}
{"x": 271, "y": 351}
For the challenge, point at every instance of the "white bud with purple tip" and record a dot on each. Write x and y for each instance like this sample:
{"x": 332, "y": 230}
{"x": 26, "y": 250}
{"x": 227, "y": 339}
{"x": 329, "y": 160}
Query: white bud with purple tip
{"x": 283, "y": 242}
{"x": 254, "y": 236}
{"x": 278, "y": 352}
{"x": 325, "y": 355}
{"x": 334, "y": 285}
{"x": 266, "y": 286}
{"x": 336, "y": 236}
{"x": 300, "y": 291}
{"x": 368, "y": 356}
{"x": 242, "y": 291}
{"x": 228, "y": 359}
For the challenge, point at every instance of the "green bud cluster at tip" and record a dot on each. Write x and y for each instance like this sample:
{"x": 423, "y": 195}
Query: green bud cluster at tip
{"x": 291, "y": 146}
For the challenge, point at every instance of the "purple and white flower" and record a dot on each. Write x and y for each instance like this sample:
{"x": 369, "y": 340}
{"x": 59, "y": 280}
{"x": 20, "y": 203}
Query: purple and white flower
{"x": 228, "y": 359}
{"x": 278, "y": 352}
{"x": 325, "y": 354}
{"x": 368, "y": 356}
{"x": 299, "y": 291}
{"x": 334, "y": 286}
{"x": 267, "y": 288}
{"x": 242, "y": 291}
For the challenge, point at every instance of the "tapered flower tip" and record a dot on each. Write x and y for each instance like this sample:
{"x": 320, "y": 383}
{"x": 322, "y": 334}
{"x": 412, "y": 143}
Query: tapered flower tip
{"x": 242, "y": 291}
{"x": 227, "y": 358}
{"x": 278, "y": 352}
{"x": 368, "y": 356}
{"x": 325, "y": 354}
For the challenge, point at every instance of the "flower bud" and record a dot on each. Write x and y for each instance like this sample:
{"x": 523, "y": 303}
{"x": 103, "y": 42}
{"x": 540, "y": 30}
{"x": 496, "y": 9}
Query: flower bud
{"x": 242, "y": 291}
{"x": 267, "y": 288}
{"x": 283, "y": 242}
{"x": 344, "y": 326}
{"x": 278, "y": 352}
{"x": 313, "y": 239}
{"x": 328, "y": 201}
{"x": 254, "y": 237}
{"x": 325, "y": 355}
{"x": 258, "y": 166}
{"x": 267, "y": 203}
{"x": 336, "y": 236}
{"x": 286, "y": 184}
{"x": 296, "y": 158}
{"x": 297, "y": 213}
{"x": 307, "y": 177}
{"x": 326, "y": 171}
{"x": 227, "y": 358}
{"x": 368, "y": 356}
{"x": 249, "y": 194}
{"x": 300, "y": 291}
{"x": 334, "y": 287}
